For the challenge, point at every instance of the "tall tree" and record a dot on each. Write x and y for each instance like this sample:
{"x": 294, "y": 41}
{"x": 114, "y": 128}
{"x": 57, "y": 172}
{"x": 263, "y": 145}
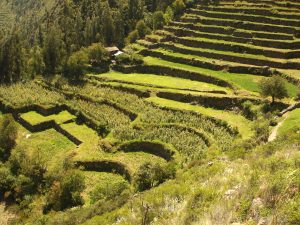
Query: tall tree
{"x": 12, "y": 65}
{"x": 54, "y": 51}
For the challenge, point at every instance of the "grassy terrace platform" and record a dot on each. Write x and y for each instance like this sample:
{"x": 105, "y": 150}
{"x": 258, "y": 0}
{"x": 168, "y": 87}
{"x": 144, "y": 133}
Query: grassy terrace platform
{"x": 239, "y": 24}
{"x": 241, "y": 32}
{"x": 162, "y": 81}
{"x": 247, "y": 17}
{"x": 242, "y": 81}
{"x": 35, "y": 118}
{"x": 229, "y": 58}
{"x": 243, "y": 125}
{"x": 291, "y": 123}
{"x": 247, "y": 38}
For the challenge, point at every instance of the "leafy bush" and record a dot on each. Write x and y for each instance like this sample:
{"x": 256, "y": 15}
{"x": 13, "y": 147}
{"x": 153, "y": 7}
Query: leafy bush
{"x": 108, "y": 191}
{"x": 142, "y": 29}
{"x": 151, "y": 175}
{"x": 77, "y": 64}
{"x": 133, "y": 36}
{"x": 8, "y": 136}
{"x": 248, "y": 110}
{"x": 158, "y": 20}
{"x": 126, "y": 59}
{"x": 178, "y": 7}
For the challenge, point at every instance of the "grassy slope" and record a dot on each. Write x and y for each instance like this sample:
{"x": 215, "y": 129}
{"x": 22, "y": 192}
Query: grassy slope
{"x": 243, "y": 125}
{"x": 36, "y": 118}
{"x": 163, "y": 81}
{"x": 242, "y": 81}
{"x": 292, "y": 122}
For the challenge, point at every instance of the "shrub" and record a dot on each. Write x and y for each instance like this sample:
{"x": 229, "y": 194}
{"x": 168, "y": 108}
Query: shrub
{"x": 133, "y": 36}
{"x": 77, "y": 64}
{"x": 248, "y": 111}
{"x": 126, "y": 59}
{"x": 178, "y": 8}
{"x": 158, "y": 20}
{"x": 98, "y": 56}
{"x": 142, "y": 29}
{"x": 108, "y": 191}
{"x": 7, "y": 179}
{"x": 169, "y": 15}
{"x": 261, "y": 128}
{"x": 151, "y": 175}
{"x": 8, "y": 136}
{"x": 71, "y": 187}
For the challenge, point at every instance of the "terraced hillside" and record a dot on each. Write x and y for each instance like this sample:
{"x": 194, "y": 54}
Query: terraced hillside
{"x": 154, "y": 140}
{"x": 248, "y": 37}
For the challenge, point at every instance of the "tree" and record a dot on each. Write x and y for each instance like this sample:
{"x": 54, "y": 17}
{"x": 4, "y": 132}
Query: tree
{"x": 158, "y": 20}
{"x": 274, "y": 87}
{"x": 98, "y": 56}
{"x": 54, "y": 51}
{"x": 12, "y": 65}
{"x": 178, "y": 8}
{"x": 77, "y": 63}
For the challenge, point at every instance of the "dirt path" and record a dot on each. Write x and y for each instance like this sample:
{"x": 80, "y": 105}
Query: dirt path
{"x": 273, "y": 134}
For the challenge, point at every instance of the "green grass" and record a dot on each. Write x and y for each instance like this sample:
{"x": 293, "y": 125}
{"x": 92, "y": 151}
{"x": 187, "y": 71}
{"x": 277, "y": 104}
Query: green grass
{"x": 82, "y": 132}
{"x": 51, "y": 145}
{"x": 235, "y": 120}
{"x": 242, "y": 81}
{"x": 35, "y": 118}
{"x": 95, "y": 180}
{"x": 162, "y": 81}
{"x": 292, "y": 122}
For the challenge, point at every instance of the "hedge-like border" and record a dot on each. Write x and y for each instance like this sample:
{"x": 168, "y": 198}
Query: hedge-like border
{"x": 152, "y": 147}
{"x": 109, "y": 166}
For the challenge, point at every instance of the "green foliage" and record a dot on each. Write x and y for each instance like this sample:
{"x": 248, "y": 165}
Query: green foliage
{"x": 274, "y": 87}
{"x": 108, "y": 191}
{"x": 178, "y": 7}
{"x": 248, "y": 110}
{"x": 169, "y": 15}
{"x": 142, "y": 29}
{"x": 158, "y": 20}
{"x": 98, "y": 55}
{"x": 76, "y": 65}
{"x": 127, "y": 59}
{"x": 54, "y": 51}
{"x": 72, "y": 185}
{"x": 133, "y": 36}
{"x": 8, "y": 136}
{"x": 12, "y": 60}
{"x": 151, "y": 175}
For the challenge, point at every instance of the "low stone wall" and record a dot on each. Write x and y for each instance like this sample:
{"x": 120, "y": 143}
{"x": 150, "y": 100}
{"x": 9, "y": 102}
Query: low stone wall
{"x": 154, "y": 148}
{"x": 106, "y": 166}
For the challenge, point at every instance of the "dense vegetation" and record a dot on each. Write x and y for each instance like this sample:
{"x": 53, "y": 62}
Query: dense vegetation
{"x": 197, "y": 122}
